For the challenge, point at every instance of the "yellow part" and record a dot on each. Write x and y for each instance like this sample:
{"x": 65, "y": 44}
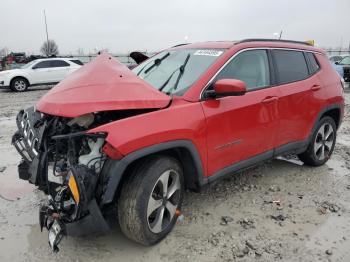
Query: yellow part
{"x": 74, "y": 189}
{"x": 310, "y": 42}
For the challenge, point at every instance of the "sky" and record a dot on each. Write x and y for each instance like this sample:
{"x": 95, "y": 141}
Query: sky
{"x": 128, "y": 25}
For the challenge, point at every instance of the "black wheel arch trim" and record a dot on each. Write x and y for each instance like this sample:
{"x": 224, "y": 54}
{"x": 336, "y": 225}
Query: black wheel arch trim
{"x": 25, "y": 78}
{"x": 118, "y": 167}
{"x": 325, "y": 110}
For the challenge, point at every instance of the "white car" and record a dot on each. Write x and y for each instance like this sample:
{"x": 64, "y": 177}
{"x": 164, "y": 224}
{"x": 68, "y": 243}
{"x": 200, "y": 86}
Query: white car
{"x": 38, "y": 72}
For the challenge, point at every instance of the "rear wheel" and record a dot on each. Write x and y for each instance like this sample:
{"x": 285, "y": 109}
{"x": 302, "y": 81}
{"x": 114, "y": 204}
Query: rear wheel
{"x": 19, "y": 84}
{"x": 149, "y": 200}
{"x": 322, "y": 143}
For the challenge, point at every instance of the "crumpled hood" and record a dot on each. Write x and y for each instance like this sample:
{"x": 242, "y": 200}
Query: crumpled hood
{"x": 101, "y": 85}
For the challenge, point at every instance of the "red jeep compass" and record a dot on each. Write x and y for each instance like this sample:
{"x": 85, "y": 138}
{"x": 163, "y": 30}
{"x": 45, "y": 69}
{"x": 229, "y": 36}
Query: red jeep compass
{"x": 134, "y": 139}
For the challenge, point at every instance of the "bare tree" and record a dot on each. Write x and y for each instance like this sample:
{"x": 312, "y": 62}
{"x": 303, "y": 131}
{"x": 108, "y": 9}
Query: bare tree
{"x": 49, "y": 48}
{"x": 4, "y": 51}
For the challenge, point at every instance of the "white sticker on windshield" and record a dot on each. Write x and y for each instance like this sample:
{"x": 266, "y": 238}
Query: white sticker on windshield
{"x": 208, "y": 52}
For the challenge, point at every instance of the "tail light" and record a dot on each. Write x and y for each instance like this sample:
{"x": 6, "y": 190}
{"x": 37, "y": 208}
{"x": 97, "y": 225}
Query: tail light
{"x": 112, "y": 152}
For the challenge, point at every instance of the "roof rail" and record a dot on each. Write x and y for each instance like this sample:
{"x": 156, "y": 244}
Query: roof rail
{"x": 180, "y": 45}
{"x": 271, "y": 40}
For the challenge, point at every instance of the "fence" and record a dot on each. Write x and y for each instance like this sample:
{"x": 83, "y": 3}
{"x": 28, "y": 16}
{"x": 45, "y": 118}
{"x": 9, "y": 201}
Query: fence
{"x": 342, "y": 52}
{"x": 125, "y": 59}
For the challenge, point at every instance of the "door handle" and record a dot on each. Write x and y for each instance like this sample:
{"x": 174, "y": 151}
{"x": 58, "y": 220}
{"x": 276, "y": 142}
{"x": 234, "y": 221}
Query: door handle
{"x": 315, "y": 87}
{"x": 269, "y": 99}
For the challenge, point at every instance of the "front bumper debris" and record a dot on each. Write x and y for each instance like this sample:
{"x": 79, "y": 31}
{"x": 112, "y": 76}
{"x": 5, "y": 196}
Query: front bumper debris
{"x": 27, "y": 141}
{"x": 93, "y": 223}
{"x": 66, "y": 213}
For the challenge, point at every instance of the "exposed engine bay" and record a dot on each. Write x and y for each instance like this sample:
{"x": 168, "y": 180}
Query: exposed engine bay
{"x": 64, "y": 161}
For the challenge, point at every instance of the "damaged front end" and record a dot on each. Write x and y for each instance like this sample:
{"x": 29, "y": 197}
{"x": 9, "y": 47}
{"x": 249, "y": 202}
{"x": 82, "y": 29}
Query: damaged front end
{"x": 64, "y": 161}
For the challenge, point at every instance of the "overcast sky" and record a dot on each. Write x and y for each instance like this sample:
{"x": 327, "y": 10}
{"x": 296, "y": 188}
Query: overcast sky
{"x": 123, "y": 26}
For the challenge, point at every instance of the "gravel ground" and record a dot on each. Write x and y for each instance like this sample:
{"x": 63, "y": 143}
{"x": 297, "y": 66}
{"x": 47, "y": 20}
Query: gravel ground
{"x": 277, "y": 211}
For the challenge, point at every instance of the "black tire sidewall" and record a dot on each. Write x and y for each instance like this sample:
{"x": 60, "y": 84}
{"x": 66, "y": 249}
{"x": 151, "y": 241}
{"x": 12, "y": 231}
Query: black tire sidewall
{"x": 12, "y": 85}
{"x": 149, "y": 173}
{"x": 312, "y": 152}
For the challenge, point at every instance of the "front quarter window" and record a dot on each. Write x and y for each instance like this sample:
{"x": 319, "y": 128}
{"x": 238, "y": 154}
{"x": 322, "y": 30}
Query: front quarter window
{"x": 173, "y": 72}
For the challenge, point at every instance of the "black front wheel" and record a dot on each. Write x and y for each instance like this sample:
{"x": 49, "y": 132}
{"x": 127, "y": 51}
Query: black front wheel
{"x": 150, "y": 199}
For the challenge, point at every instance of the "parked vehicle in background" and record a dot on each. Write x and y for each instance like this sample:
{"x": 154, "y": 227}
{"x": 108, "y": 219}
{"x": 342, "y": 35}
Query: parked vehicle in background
{"x": 38, "y": 72}
{"x": 19, "y": 58}
{"x": 345, "y": 63}
{"x": 138, "y": 57}
{"x": 109, "y": 139}
{"x": 338, "y": 68}
{"x": 336, "y": 58}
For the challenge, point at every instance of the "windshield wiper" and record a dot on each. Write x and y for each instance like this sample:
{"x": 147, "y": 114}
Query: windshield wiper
{"x": 181, "y": 68}
{"x": 156, "y": 62}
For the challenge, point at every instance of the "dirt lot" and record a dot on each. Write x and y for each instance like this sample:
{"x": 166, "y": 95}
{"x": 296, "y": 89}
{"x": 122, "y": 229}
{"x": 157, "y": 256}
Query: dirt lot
{"x": 280, "y": 210}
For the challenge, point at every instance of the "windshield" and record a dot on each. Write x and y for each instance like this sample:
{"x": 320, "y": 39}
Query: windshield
{"x": 28, "y": 65}
{"x": 173, "y": 72}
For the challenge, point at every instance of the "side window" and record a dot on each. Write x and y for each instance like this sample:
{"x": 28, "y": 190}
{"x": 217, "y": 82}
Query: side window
{"x": 291, "y": 66}
{"x": 314, "y": 66}
{"x": 251, "y": 67}
{"x": 43, "y": 64}
{"x": 59, "y": 63}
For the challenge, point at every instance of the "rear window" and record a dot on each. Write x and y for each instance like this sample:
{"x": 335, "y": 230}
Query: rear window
{"x": 78, "y": 62}
{"x": 291, "y": 66}
{"x": 313, "y": 65}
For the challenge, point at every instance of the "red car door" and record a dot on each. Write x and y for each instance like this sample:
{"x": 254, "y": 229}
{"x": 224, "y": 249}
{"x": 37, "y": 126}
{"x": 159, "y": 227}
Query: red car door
{"x": 299, "y": 87}
{"x": 242, "y": 127}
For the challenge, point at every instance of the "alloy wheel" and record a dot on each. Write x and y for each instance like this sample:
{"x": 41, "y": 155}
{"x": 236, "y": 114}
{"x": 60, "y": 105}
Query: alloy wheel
{"x": 163, "y": 201}
{"x": 20, "y": 85}
{"x": 324, "y": 141}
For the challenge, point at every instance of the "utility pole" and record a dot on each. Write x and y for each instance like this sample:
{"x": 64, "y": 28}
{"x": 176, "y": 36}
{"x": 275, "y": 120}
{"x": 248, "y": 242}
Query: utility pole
{"x": 47, "y": 34}
{"x": 280, "y": 35}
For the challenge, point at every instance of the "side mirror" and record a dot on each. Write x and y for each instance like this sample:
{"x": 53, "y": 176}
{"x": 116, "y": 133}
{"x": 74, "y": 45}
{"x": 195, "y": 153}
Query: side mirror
{"x": 229, "y": 87}
{"x": 337, "y": 63}
{"x": 34, "y": 67}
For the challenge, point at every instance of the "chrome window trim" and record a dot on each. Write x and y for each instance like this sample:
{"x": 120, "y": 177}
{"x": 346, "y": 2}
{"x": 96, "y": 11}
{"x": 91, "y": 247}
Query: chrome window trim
{"x": 249, "y": 49}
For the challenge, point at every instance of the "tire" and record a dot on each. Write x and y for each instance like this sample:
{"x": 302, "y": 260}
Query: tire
{"x": 19, "y": 84}
{"x": 147, "y": 213}
{"x": 322, "y": 143}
